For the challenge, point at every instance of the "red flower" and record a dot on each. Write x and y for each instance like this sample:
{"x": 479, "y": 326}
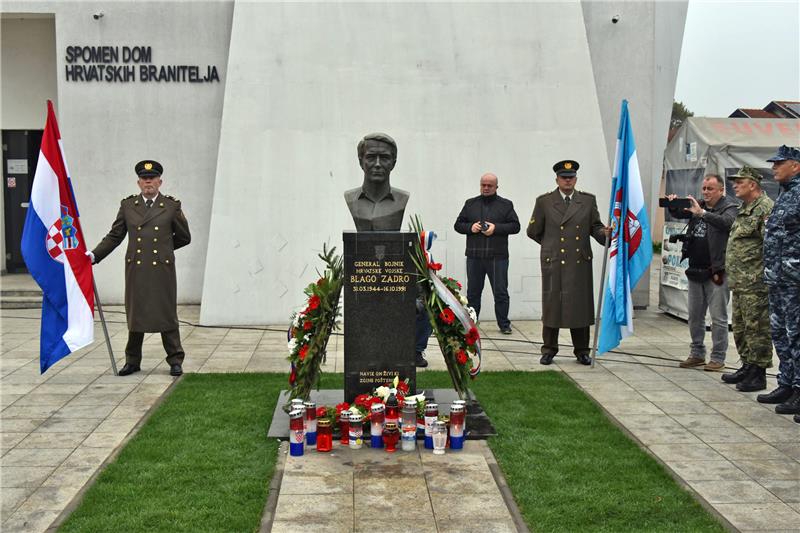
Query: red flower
{"x": 461, "y": 357}
{"x": 322, "y": 412}
{"x": 362, "y": 400}
{"x": 402, "y": 387}
{"x": 344, "y": 406}
{"x": 313, "y": 302}
{"x": 447, "y": 316}
{"x": 293, "y": 376}
{"x": 373, "y": 400}
{"x": 307, "y": 325}
{"x": 434, "y": 266}
{"x": 303, "y": 351}
{"x": 472, "y": 336}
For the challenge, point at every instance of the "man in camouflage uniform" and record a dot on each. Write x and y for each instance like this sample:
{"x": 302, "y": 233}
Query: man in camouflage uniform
{"x": 782, "y": 276}
{"x": 745, "y": 268}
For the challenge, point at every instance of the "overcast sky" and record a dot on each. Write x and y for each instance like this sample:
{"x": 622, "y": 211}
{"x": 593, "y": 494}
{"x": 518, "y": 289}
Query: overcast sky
{"x": 739, "y": 54}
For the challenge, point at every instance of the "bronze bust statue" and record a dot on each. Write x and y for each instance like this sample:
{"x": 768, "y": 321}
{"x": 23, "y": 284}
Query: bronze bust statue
{"x": 376, "y": 206}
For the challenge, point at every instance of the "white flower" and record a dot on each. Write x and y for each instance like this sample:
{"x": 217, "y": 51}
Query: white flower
{"x": 296, "y": 321}
{"x": 382, "y": 392}
{"x": 472, "y": 314}
{"x": 416, "y": 398}
{"x": 292, "y": 345}
{"x": 307, "y": 338}
{"x": 463, "y": 300}
{"x": 395, "y": 381}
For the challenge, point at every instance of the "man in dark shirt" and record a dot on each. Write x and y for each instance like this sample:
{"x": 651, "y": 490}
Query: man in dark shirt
{"x": 487, "y": 220}
{"x": 710, "y": 222}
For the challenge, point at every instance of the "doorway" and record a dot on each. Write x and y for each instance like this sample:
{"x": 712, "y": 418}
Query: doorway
{"x": 20, "y": 155}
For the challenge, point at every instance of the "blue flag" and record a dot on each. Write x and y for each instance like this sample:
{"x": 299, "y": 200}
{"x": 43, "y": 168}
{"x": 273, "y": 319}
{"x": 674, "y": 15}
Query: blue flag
{"x": 631, "y": 247}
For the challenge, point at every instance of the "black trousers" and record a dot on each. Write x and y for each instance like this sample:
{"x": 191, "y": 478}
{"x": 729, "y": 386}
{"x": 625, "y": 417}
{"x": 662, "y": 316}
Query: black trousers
{"x": 170, "y": 339}
{"x": 580, "y": 340}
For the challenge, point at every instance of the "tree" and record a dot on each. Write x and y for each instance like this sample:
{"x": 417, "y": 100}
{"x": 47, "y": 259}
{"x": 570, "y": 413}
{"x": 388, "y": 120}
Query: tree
{"x": 679, "y": 114}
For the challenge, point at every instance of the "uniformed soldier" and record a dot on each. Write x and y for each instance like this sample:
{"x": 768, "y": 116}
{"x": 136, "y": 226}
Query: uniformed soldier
{"x": 745, "y": 269}
{"x": 782, "y": 276}
{"x": 156, "y": 227}
{"x": 562, "y": 222}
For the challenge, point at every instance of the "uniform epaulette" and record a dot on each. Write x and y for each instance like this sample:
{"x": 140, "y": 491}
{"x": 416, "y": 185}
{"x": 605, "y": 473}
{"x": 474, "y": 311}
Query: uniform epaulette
{"x": 586, "y": 193}
{"x": 171, "y": 198}
{"x": 129, "y": 197}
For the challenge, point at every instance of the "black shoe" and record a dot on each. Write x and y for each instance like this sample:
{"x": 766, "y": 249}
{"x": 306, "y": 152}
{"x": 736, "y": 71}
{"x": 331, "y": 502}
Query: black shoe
{"x": 583, "y": 359}
{"x": 756, "y": 379}
{"x": 128, "y": 369}
{"x": 738, "y": 376}
{"x": 790, "y": 406}
{"x": 797, "y": 418}
{"x": 175, "y": 370}
{"x": 420, "y": 360}
{"x": 547, "y": 359}
{"x": 506, "y": 330}
{"x": 779, "y": 395}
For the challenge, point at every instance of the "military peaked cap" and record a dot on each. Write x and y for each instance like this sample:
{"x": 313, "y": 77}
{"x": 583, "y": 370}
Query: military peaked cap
{"x": 784, "y": 153}
{"x": 149, "y": 169}
{"x": 747, "y": 172}
{"x": 567, "y": 168}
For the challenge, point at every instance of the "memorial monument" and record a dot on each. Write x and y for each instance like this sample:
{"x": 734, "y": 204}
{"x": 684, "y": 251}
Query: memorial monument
{"x": 379, "y": 276}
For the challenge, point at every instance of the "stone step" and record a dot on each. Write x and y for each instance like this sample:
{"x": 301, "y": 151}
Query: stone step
{"x": 21, "y": 302}
{"x": 21, "y": 292}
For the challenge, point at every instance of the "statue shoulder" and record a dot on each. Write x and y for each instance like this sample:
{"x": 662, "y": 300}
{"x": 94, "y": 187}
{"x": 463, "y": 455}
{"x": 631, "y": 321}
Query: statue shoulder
{"x": 400, "y": 195}
{"x": 351, "y": 195}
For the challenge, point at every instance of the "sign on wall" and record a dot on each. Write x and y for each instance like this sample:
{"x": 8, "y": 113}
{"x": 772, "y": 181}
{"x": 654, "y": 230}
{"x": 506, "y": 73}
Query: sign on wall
{"x": 125, "y": 64}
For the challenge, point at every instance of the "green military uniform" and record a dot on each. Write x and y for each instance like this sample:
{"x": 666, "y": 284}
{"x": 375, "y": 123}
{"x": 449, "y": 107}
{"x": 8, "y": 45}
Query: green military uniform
{"x": 154, "y": 233}
{"x": 745, "y": 269}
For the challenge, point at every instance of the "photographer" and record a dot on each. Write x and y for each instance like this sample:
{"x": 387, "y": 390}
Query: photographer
{"x": 706, "y": 238}
{"x": 487, "y": 220}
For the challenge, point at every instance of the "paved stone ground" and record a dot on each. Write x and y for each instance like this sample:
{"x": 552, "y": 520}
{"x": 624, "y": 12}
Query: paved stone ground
{"x": 58, "y": 429}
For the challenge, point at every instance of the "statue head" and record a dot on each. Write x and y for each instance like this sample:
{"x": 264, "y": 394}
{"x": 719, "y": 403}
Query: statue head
{"x": 377, "y": 155}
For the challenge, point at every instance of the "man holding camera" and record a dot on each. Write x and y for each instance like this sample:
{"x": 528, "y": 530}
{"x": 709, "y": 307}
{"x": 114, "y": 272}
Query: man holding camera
{"x": 487, "y": 220}
{"x": 782, "y": 276}
{"x": 745, "y": 262}
{"x": 706, "y": 238}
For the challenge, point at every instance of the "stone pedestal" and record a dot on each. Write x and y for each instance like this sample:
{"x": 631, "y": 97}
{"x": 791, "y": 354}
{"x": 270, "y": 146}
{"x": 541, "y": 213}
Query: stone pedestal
{"x": 379, "y": 310}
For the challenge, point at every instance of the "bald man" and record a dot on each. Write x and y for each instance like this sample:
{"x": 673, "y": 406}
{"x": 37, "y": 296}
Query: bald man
{"x": 487, "y": 220}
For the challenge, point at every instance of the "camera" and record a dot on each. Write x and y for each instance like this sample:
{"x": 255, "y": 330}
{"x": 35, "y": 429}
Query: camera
{"x": 615, "y": 19}
{"x": 678, "y": 237}
{"x": 98, "y": 15}
{"x": 676, "y": 204}
{"x": 484, "y": 226}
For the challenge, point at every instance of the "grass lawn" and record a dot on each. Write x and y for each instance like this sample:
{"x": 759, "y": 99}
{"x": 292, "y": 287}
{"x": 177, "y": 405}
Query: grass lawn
{"x": 203, "y": 463}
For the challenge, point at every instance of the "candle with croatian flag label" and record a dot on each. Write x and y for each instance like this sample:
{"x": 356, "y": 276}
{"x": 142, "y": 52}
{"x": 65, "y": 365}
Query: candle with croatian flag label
{"x": 356, "y": 431}
{"x": 431, "y": 415}
{"x": 311, "y": 423}
{"x": 377, "y": 416}
{"x": 296, "y": 432}
{"x": 456, "y": 427}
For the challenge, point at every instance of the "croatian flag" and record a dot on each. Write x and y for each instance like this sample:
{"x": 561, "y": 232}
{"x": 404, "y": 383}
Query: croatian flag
{"x": 54, "y": 251}
{"x": 631, "y": 247}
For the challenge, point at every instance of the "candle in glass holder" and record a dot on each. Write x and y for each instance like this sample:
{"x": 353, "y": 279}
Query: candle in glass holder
{"x": 311, "y": 422}
{"x": 344, "y": 427}
{"x": 390, "y": 436}
{"x": 324, "y": 435}
{"x": 356, "y": 431}
{"x": 431, "y": 414}
{"x": 456, "y": 427}
{"x": 296, "y": 432}
{"x": 439, "y": 436}
{"x": 409, "y": 427}
{"x": 376, "y": 419}
{"x": 392, "y": 410}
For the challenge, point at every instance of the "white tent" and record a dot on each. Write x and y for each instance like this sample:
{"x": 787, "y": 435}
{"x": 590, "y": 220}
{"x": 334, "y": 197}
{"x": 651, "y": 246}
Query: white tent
{"x": 713, "y": 146}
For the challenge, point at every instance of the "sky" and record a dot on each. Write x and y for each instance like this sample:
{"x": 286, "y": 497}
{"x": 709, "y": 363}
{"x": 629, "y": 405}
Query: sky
{"x": 739, "y": 54}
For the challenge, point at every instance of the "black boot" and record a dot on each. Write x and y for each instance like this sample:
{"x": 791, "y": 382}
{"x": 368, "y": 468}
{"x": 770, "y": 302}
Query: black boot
{"x": 738, "y": 376}
{"x": 420, "y": 361}
{"x": 756, "y": 379}
{"x": 779, "y": 395}
{"x": 790, "y": 406}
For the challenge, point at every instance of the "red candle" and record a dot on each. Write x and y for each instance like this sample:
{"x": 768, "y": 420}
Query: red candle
{"x": 324, "y": 435}
{"x": 344, "y": 427}
{"x": 391, "y": 434}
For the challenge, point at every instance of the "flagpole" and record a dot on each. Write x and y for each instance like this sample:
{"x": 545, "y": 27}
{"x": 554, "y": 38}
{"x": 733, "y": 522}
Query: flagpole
{"x": 105, "y": 329}
{"x": 602, "y": 294}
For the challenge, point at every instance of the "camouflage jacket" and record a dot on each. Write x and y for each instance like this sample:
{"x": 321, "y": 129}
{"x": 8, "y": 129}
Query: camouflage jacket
{"x": 745, "y": 255}
{"x": 782, "y": 238}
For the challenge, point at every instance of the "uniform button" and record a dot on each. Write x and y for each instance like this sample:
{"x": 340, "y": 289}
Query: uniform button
{"x": 577, "y": 238}
{"x": 577, "y": 227}
{"x": 138, "y": 251}
{"x": 138, "y": 239}
{"x": 136, "y": 202}
{"x": 156, "y": 228}
{"x": 562, "y": 239}
{"x": 129, "y": 260}
{"x": 562, "y": 227}
{"x": 155, "y": 239}
{"x": 166, "y": 261}
{"x": 563, "y": 262}
{"x": 577, "y": 250}
{"x": 155, "y": 263}
{"x": 579, "y": 261}
{"x": 138, "y": 228}
{"x": 547, "y": 260}
{"x": 160, "y": 204}
{"x": 138, "y": 262}
{"x": 155, "y": 251}
{"x": 563, "y": 251}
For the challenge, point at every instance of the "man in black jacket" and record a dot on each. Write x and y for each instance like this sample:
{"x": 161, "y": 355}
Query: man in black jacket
{"x": 710, "y": 222}
{"x": 487, "y": 221}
